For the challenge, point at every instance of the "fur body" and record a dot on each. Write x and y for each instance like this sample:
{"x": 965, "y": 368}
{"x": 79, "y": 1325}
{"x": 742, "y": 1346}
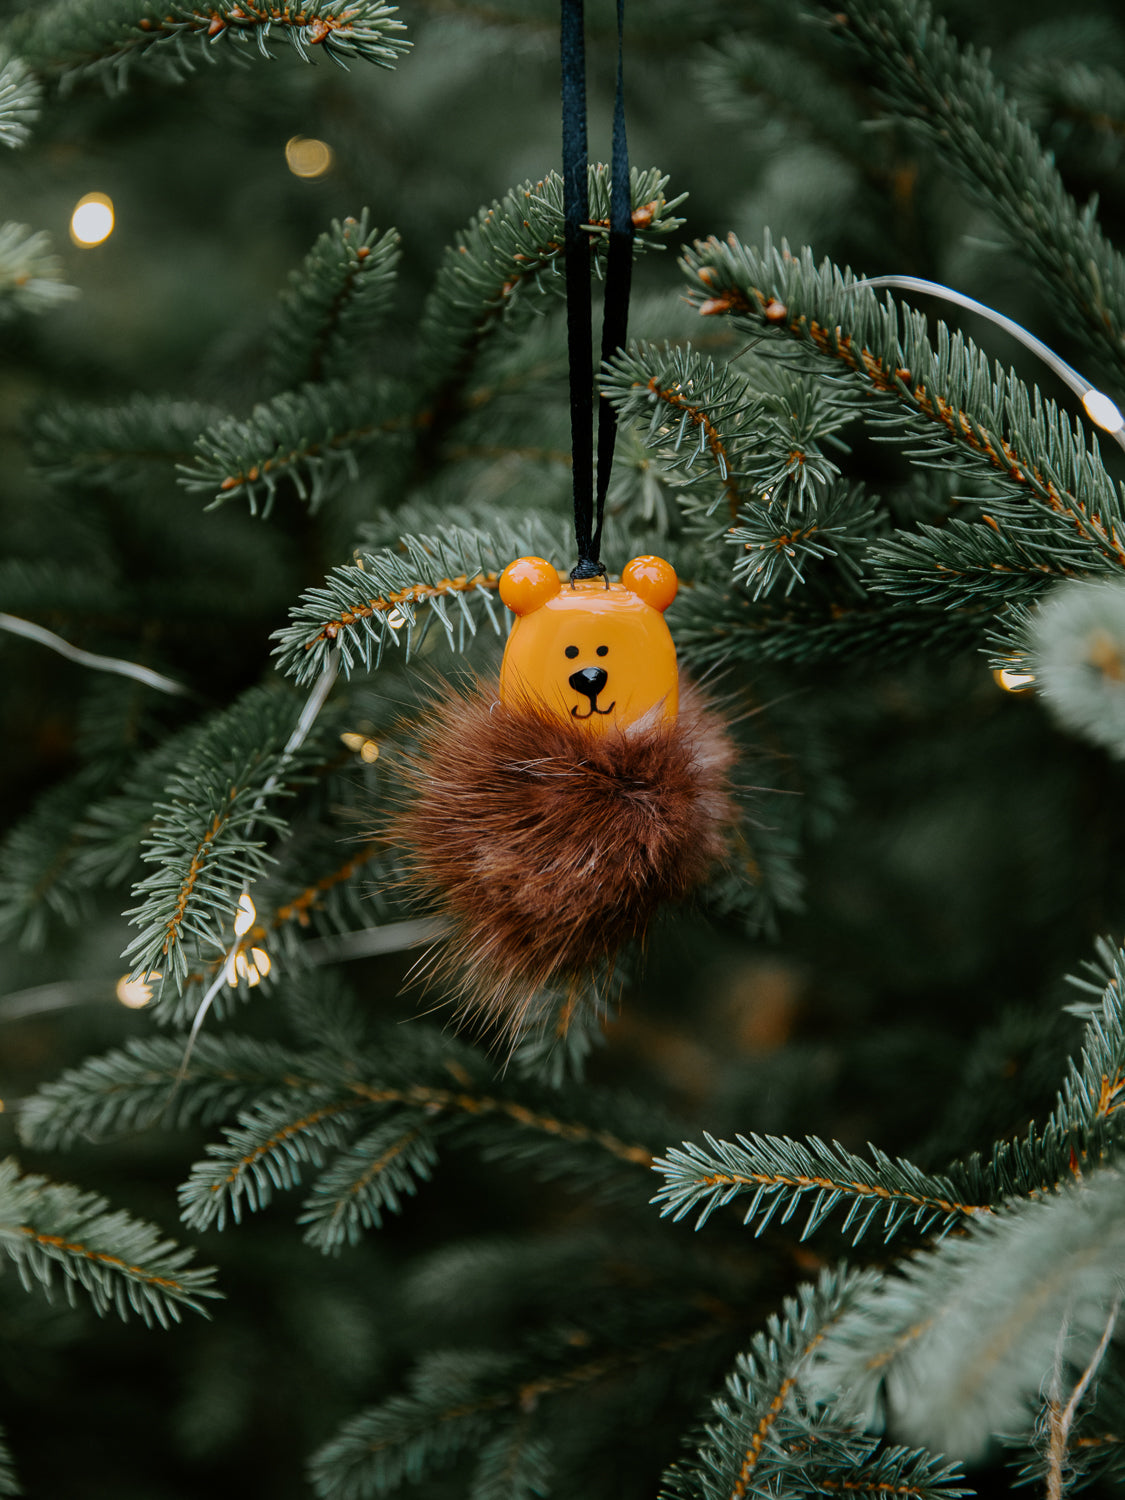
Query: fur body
{"x": 546, "y": 848}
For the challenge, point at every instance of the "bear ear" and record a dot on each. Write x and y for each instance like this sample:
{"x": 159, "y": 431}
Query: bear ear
{"x": 527, "y": 584}
{"x": 653, "y": 580}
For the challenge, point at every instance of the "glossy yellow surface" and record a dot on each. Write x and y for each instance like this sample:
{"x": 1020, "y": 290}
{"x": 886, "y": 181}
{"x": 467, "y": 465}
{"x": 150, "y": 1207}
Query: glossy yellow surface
{"x": 598, "y": 656}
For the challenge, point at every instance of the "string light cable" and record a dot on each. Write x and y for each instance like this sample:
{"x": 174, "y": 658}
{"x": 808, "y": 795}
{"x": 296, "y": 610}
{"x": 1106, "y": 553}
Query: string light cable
{"x": 1099, "y": 407}
{"x": 16, "y": 626}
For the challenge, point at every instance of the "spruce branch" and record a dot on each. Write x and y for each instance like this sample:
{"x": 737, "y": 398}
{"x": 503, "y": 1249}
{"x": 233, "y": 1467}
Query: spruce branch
{"x": 20, "y": 99}
{"x": 113, "y": 826}
{"x": 783, "y": 1176}
{"x": 335, "y": 301}
{"x": 309, "y": 437}
{"x": 77, "y": 40}
{"x": 346, "y": 1105}
{"x": 145, "y": 1083}
{"x": 515, "y": 1464}
{"x": 30, "y": 272}
{"x": 508, "y": 260}
{"x": 1052, "y": 493}
{"x": 719, "y": 625}
{"x": 951, "y": 100}
{"x": 980, "y": 1315}
{"x": 52, "y": 1229}
{"x": 9, "y": 1484}
{"x": 36, "y": 861}
{"x": 776, "y": 90}
{"x": 408, "y": 1437}
{"x": 1058, "y": 89}
{"x": 202, "y": 835}
{"x": 1083, "y": 1131}
{"x": 110, "y": 446}
{"x": 467, "y": 1398}
{"x": 775, "y": 548}
{"x": 269, "y": 1149}
{"x": 286, "y": 1131}
{"x": 367, "y": 605}
{"x": 370, "y": 1178}
{"x": 339, "y": 898}
{"x": 766, "y": 1437}
{"x": 673, "y": 394}
{"x": 43, "y": 586}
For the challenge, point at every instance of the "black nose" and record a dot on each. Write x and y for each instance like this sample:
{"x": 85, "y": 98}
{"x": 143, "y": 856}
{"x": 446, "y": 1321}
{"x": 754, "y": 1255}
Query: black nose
{"x": 589, "y": 681}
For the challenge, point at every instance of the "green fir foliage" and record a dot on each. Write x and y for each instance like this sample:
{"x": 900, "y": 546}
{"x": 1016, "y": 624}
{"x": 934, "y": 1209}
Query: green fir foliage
{"x": 310, "y": 437}
{"x": 56, "y": 1233}
{"x": 784, "y": 1177}
{"x": 20, "y": 98}
{"x": 116, "y": 445}
{"x": 507, "y": 263}
{"x": 30, "y": 272}
{"x": 9, "y": 1484}
{"x": 334, "y": 302}
{"x": 394, "y": 596}
{"x": 766, "y": 1431}
{"x": 206, "y": 837}
{"x": 108, "y": 40}
{"x": 949, "y": 96}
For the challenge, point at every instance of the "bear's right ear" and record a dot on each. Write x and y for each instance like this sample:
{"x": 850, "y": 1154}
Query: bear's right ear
{"x": 527, "y": 584}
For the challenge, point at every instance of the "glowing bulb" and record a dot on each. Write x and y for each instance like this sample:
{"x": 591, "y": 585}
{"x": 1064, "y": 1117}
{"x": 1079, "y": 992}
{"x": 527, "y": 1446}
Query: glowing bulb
{"x": 246, "y": 917}
{"x": 92, "y": 219}
{"x": 366, "y": 749}
{"x": 135, "y": 993}
{"x": 1103, "y": 411}
{"x": 253, "y": 968}
{"x": 307, "y": 157}
{"x": 1013, "y": 682}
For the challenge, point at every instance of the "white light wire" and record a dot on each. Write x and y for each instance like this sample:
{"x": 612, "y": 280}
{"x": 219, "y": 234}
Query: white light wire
{"x": 16, "y": 626}
{"x": 1101, "y": 410}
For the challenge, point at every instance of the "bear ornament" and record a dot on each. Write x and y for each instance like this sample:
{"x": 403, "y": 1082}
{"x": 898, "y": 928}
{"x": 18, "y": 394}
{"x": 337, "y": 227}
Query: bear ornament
{"x": 549, "y": 815}
{"x": 597, "y": 652}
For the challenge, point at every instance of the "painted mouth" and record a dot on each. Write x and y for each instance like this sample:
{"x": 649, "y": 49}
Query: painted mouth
{"x": 594, "y": 709}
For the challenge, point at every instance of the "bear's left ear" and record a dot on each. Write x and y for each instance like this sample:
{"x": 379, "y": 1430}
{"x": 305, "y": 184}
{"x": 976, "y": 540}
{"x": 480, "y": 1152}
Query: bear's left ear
{"x": 651, "y": 579}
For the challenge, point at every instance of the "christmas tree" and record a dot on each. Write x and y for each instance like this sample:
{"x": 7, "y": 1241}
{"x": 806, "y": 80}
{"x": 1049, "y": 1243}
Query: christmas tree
{"x": 811, "y": 1188}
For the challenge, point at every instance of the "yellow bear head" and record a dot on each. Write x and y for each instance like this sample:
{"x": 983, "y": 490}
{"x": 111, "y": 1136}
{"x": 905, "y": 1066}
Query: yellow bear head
{"x": 597, "y": 654}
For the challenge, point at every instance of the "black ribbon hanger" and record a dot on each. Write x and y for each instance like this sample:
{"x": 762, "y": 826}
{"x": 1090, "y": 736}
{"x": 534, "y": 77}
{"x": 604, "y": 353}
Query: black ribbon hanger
{"x": 589, "y": 503}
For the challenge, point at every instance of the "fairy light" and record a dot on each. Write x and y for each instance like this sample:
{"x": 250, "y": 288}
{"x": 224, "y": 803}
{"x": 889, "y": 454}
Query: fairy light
{"x": 305, "y": 156}
{"x": 365, "y": 748}
{"x": 1012, "y": 682}
{"x": 247, "y": 915}
{"x": 1101, "y": 410}
{"x": 135, "y": 993}
{"x": 251, "y": 967}
{"x": 92, "y": 220}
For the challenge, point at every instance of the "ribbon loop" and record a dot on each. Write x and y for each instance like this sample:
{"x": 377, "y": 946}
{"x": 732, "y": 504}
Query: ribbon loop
{"x": 589, "y": 502}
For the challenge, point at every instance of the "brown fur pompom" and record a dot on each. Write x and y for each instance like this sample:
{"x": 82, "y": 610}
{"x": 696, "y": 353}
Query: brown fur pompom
{"x": 546, "y": 848}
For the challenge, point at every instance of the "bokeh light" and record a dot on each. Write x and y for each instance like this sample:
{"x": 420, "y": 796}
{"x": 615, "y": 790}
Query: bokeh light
{"x": 305, "y": 156}
{"x": 135, "y": 993}
{"x": 1012, "y": 682}
{"x": 92, "y": 221}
